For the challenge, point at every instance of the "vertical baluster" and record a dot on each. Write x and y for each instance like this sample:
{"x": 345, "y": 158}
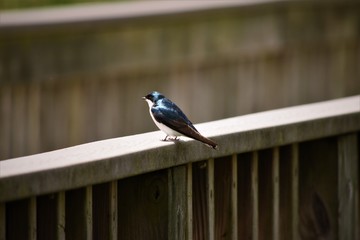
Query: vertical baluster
{"x": 78, "y": 213}
{"x": 60, "y": 215}
{"x": 32, "y": 218}
{"x": 180, "y": 200}
{"x": 348, "y": 184}
{"x": 88, "y": 212}
{"x": 234, "y": 202}
{"x": 189, "y": 203}
{"x": 254, "y": 196}
{"x": 113, "y": 211}
{"x": 2, "y": 221}
{"x": 211, "y": 199}
{"x": 295, "y": 191}
{"x": 276, "y": 194}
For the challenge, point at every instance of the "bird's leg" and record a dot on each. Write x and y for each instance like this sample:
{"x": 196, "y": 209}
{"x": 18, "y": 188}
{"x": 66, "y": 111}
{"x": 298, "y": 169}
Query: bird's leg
{"x": 170, "y": 138}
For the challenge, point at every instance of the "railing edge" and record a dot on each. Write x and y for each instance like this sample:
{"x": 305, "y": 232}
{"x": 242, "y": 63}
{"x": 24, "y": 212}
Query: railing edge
{"x": 105, "y": 160}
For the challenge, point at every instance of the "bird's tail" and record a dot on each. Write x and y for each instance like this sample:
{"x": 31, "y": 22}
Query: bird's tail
{"x": 205, "y": 140}
{"x": 192, "y": 132}
{"x": 210, "y": 143}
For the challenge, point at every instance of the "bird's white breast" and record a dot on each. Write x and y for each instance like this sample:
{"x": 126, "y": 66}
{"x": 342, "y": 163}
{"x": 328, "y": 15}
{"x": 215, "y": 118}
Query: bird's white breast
{"x": 168, "y": 131}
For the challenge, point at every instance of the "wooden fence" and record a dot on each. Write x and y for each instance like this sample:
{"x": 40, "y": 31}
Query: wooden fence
{"x": 71, "y": 75}
{"x": 291, "y": 173}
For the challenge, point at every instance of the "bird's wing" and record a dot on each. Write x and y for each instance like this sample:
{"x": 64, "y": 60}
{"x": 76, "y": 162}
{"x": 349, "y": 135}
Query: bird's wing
{"x": 171, "y": 115}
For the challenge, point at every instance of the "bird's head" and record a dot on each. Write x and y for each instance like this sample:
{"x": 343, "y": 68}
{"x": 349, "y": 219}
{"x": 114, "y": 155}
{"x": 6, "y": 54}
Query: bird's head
{"x": 152, "y": 97}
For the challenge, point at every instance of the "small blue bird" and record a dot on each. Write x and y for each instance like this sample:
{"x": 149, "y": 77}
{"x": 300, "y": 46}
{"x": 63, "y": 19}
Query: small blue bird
{"x": 171, "y": 120}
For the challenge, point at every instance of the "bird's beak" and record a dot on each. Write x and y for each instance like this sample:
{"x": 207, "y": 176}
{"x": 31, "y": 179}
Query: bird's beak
{"x": 144, "y": 98}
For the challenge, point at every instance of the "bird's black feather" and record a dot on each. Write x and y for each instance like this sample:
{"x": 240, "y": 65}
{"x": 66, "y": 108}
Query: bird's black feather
{"x": 169, "y": 114}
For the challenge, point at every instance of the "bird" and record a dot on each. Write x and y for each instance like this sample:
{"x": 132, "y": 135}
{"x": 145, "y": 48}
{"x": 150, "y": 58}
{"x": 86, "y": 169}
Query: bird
{"x": 170, "y": 119}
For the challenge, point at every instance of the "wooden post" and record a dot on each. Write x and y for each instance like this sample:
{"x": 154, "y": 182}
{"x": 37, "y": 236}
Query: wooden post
{"x": 348, "y": 191}
{"x": 78, "y": 213}
{"x": 113, "y": 210}
{"x": 295, "y": 191}
{"x": 254, "y": 196}
{"x": 189, "y": 202}
{"x": 2, "y": 221}
{"x": 179, "y": 202}
{"x": 234, "y": 201}
{"x": 211, "y": 199}
{"x": 60, "y": 215}
{"x": 276, "y": 194}
{"x": 88, "y": 212}
{"x": 32, "y": 218}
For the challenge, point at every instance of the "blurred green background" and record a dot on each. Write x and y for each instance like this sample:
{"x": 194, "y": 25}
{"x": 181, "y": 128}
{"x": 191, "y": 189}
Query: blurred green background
{"x": 22, "y": 4}
{"x": 65, "y": 80}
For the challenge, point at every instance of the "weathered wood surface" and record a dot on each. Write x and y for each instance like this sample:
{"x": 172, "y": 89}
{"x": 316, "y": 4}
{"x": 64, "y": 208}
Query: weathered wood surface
{"x": 76, "y": 75}
{"x": 112, "y": 11}
{"x": 348, "y": 174}
{"x": 200, "y": 212}
{"x": 234, "y": 197}
{"x": 144, "y": 206}
{"x": 178, "y": 203}
{"x": 189, "y": 195}
{"x": 210, "y": 199}
{"x": 286, "y": 189}
{"x": 295, "y": 191}
{"x": 78, "y": 213}
{"x": 17, "y": 219}
{"x": 245, "y": 195}
{"x": 32, "y": 227}
{"x": 255, "y": 196}
{"x": 275, "y": 181}
{"x": 266, "y": 196}
{"x": 318, "y": 191}
{"x": 60, "y": 216}
{"x": 113, "y": 210}
{"x": 128, "y": 156}
{"x": 2, "y": 221}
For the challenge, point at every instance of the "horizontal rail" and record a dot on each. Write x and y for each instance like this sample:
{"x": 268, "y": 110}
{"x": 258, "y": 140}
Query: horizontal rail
{"x": 98, "y": 12}
{"x": 123, "y": 157}
{"x": 111, "y": 11}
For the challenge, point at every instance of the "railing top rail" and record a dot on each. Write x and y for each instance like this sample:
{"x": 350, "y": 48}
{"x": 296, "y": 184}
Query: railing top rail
{"x": 99, "y": 12}
{"x": 122, "y": 157}
{"x": 112, "y": 11}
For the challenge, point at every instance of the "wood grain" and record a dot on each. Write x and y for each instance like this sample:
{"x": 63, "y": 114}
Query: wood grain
{"x": 117, "y": 158}
{"x": 348, "y": 175}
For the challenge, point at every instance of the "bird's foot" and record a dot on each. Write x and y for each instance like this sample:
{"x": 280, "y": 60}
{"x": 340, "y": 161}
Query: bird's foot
{"x": 173, "y": 138}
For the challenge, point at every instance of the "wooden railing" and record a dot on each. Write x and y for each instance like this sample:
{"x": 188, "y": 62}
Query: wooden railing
{"x": 291, "y": 173}
{"x": 72, "y": 75}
